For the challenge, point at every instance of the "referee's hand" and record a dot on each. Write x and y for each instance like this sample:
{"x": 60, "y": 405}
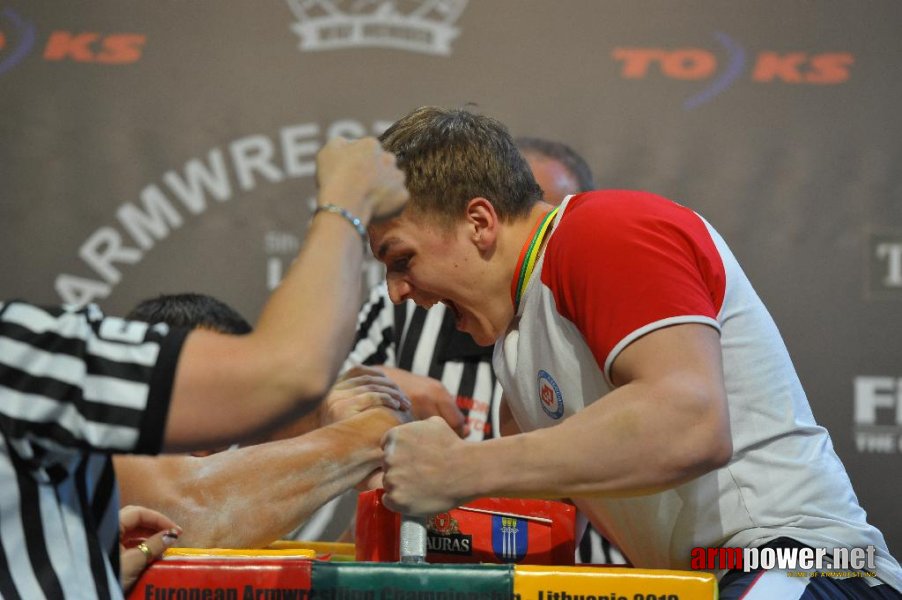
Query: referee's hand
{"x": 144, "y": 535}
{"x": 429, "y": 398}
{"x": 357, "y": 389}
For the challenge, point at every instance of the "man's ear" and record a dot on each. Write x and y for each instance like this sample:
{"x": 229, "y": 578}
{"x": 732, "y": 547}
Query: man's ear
{"x": 483, "y": 222}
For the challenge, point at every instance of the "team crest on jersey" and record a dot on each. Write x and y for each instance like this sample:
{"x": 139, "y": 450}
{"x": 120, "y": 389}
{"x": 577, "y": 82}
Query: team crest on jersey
{"x": 550, "y": 396}
{"x": 510, "y": 537}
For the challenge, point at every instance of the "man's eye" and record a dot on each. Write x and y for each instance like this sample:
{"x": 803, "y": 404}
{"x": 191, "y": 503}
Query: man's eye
{"x": 400, "y": 264}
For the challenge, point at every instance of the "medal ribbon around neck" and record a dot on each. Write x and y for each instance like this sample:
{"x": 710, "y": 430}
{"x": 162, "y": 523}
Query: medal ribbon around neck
{"x": 528, "y": 257}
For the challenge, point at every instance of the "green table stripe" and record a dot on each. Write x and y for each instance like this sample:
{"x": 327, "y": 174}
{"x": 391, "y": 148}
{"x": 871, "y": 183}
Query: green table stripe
{"x": 396, "y": 581}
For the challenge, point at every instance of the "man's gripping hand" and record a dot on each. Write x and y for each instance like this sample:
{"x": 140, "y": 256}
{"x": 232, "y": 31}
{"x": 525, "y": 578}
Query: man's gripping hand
{"x": 416, "y": 475}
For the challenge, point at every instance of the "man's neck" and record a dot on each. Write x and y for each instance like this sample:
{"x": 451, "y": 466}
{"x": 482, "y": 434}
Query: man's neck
{"x": 522, "y": 229}
{"x": 519, "y": 234}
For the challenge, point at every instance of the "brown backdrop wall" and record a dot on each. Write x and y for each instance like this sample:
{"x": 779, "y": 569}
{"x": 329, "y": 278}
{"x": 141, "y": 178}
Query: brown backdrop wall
{"x": 165, "y": 146}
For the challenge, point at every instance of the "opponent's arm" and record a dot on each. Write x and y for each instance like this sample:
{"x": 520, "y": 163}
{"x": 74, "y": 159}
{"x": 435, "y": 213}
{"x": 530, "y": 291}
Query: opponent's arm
{"x": 251, "y": 496}
{"x": 288, "y": 363}
{"x": 665, "y": 424}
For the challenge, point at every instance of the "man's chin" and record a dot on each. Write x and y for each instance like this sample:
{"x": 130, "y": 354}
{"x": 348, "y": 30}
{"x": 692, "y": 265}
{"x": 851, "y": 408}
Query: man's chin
{"x": 485, "y": 341}
{"x": 481, "y": 338}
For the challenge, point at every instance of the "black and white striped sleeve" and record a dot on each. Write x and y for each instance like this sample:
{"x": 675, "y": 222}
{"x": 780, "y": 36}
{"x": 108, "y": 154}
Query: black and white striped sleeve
{"x": 378, "y": 331}
{"x": 76, "y": 379}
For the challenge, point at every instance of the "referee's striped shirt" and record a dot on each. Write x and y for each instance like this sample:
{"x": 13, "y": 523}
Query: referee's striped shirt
{"x": 74, "y": 387}
{"x": 426, "y": 342}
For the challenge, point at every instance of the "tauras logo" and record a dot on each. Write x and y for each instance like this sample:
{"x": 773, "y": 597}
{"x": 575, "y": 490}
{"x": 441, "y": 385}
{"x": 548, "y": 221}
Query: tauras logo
{"x": 878, "y": 414}
{"x": 454, "y": 543}
{"x": 424, "y": 26}
{"x": 444, "y": 536}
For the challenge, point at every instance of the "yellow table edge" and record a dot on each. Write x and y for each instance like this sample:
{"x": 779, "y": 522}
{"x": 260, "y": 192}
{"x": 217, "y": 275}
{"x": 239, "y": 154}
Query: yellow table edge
{"x": 239, "y": 553}
{"x": 534, "y": 582}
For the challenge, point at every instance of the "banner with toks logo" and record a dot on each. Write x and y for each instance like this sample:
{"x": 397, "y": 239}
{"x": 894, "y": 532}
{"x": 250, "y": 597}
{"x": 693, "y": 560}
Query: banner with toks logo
{"x": 169, "y": 147}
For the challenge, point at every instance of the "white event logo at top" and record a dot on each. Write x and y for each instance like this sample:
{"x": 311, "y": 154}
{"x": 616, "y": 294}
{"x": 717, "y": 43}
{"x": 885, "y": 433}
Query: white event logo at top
{"x": 424, "y": 26}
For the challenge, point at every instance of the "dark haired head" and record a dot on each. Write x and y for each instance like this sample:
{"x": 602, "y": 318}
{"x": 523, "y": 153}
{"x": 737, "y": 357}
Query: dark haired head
{"x": 450, "y": 156}
{"x": 562, "y": 153}
{"x": 190, "y": 311}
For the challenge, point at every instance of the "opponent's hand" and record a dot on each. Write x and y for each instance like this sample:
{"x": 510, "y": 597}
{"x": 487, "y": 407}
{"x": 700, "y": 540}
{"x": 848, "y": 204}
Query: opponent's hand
{"x": 144, "y": 535}
{"x": 429, "y": 398}
{"x": 362, "y": 177}
{"x": 359, "y": 389}
{"x": 377, "y": 422}
{"x": 415, "y": 476}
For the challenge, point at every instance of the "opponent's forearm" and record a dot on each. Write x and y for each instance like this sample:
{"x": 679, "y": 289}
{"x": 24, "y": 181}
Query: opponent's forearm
{"x": 299, "y": 476}
{"x": 287, "y": 364}
{"x": 305, "y": 330}
{"x": 317, "y": 304}
{"x": 252, "y": 496}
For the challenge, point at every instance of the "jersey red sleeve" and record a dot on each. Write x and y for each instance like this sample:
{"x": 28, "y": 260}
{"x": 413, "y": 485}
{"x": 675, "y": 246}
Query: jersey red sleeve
{"x": 621, "y": 264}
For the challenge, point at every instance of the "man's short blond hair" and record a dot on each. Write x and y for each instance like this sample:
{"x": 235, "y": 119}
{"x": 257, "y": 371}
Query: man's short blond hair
{"x": 450, "y": 156}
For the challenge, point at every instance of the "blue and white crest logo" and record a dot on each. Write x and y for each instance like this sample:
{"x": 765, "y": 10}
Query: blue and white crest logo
{"x": 510, "y": 537}
{"x": 550, "y": 396}
{"x": 424, "y": 26}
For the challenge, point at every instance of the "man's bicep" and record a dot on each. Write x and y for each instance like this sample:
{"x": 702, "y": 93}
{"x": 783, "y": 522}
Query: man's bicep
{"x": 685, "y": 352}
{"x": 678, "y": 372}
{"x": 673, "y": 377}
{"x": 507, "y": 425}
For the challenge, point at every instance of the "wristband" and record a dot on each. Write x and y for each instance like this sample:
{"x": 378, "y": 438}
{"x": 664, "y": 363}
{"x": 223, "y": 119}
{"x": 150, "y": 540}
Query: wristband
{"x": 354, "y": 221}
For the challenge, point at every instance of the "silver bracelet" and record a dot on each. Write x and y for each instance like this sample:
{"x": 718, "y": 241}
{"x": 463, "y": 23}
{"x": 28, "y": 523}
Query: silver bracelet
{"x": 338, "y": 210}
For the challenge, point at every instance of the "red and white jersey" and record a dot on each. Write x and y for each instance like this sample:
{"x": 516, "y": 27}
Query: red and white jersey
{"x": 620, "y": 264}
